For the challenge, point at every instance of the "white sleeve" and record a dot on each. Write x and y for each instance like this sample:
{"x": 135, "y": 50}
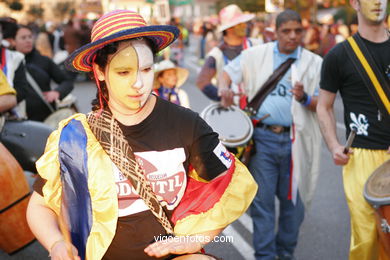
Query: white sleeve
{"x": 234, "y": 70}
{"x": 184, "y": 100}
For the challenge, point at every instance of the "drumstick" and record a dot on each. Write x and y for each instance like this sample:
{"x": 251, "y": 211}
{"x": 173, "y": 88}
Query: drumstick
{"x": 348, "y": 144}
{"x": 62, "y": 222}
{"x": 264, "y": 117}
{"x": 66, "y": 235}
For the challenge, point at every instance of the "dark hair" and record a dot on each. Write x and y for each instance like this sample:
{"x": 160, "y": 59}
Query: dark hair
{"x": 21, "y": 26}
{"x": 101, "y": 59}
{"x": 9, "y": 27}
{"x": 286, "y": 16}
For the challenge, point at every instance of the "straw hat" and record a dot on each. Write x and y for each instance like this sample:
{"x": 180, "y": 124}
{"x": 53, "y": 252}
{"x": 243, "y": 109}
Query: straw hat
{"x": 182, "y": 74}
{"x": 232, "y": 15}
{"x": 115, "y": 26}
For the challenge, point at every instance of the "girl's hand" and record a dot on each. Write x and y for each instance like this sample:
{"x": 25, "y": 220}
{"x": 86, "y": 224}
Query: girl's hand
{"x": 177, "y": 245}
{"x": 60, "y": 251}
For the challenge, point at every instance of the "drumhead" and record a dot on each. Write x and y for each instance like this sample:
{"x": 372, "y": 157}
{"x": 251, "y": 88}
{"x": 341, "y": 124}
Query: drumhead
{"x": 377, "y": 186}
{"x": 57, "y": 116}
{"x": 232, "y": 124}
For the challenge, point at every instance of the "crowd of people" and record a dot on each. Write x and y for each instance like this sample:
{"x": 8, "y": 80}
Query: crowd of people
{"x": 109, "y": 187}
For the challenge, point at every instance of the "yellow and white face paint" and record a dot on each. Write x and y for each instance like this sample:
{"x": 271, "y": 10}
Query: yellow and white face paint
{"x": 129, "y": 76}
{"x": 373, "y": 10}
{"x": 240, "y": 29}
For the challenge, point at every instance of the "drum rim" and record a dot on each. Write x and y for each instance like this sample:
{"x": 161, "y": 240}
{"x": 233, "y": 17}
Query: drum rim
{"x": 376, "y": 201}
{"x": 224, "y": 141}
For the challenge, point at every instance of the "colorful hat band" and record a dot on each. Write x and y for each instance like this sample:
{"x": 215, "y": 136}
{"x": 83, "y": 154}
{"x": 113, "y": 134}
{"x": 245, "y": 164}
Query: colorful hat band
{"x": 116, "y": 26}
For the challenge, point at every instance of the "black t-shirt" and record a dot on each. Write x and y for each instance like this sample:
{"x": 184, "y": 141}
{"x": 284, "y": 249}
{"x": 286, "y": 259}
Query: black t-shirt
{"x": 170, "y": 141}
{"x": 360, "y": 110}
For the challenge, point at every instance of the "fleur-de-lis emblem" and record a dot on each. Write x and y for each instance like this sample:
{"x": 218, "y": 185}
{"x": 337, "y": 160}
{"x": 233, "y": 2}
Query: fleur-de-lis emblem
{"x": 360, "y": 123}
{"x": 388, "y": 71}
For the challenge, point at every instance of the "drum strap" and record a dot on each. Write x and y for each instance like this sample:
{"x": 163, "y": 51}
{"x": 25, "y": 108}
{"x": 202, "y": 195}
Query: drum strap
{"x": 38, "y": 90}
{"x": 367, "y": 68}
{"x": 270, "y": 84}
{"x": 111, "y": 138}
{"x": 2, "y": 122}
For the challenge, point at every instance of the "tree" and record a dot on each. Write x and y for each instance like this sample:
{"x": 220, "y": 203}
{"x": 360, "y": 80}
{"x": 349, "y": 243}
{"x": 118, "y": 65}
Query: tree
{"x": 62, "y": 9}
{"x": 36, "y": 11}
{"x": 15, "y": 5}
{"x": 253, "y": 6}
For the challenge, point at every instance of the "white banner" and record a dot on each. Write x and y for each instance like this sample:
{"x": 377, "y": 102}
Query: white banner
{"x": 274, "y": 6}
{"x": 161, "y": 11}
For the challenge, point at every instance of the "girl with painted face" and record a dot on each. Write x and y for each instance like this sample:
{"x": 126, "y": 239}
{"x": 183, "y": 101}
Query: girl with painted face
{"x": 125, "y": 80}
{"x": 123, "y": 181}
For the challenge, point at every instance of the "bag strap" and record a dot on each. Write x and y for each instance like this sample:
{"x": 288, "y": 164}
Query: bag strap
{"x": 369, "y": 71}
{"x": 38, "y": 90}
{"x": 268, "y": 86}
{"x": 111, "y": 138}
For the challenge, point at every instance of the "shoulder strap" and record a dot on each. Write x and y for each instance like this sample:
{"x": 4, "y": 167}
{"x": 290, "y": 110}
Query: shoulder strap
{"x": 369, "y": 71}
{"x": 268, "y": 86}
{"x": 38, "y": 90}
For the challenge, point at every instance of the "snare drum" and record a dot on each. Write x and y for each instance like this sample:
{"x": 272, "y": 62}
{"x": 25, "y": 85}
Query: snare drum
{"x": 232, "y": 124}
{"x": 57, "y": 116}
{"x": 377, "y": 193}
{"x": 26, "y": 140}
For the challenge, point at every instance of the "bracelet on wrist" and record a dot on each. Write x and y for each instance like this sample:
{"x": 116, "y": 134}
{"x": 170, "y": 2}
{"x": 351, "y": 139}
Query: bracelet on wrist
{"x": 54, "y": 244}
{"x": 308, "y": 101}
{"x": 303, "y": 98}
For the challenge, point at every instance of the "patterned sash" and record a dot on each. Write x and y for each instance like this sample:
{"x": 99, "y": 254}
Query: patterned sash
{"x": 111, "y": 138}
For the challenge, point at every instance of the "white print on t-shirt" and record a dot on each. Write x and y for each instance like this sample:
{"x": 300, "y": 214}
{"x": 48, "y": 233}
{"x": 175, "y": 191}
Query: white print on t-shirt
{"x": 360, "y": 124}
{"x": 167, "y": 177}
{"x": 222, "y": 153}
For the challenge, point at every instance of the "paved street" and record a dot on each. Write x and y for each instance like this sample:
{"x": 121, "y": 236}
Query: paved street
{"x": 325, "y": 231}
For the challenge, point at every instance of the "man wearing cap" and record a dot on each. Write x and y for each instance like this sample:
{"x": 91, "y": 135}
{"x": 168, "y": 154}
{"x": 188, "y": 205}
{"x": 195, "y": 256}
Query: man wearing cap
{"x": 365, "y": 95}
{"x": 233, "y": 26}
{"x": 168, "y": 80}
{"x": 286, "y": 162}
{"x": 138, "y": 177}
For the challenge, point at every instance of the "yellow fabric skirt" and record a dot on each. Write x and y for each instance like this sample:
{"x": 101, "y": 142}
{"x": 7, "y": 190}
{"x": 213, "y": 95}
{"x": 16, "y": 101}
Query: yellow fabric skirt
{"x": 364, "y": 236}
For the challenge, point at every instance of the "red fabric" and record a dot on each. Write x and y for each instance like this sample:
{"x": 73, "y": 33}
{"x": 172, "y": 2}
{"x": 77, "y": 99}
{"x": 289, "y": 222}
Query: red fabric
{"x": 244, "y": 98}
{"x": 289, "y": 196}
{"x": 3, "y": 59}
{"x": 243, "y": 102}
{"x": 199, "y": 197}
